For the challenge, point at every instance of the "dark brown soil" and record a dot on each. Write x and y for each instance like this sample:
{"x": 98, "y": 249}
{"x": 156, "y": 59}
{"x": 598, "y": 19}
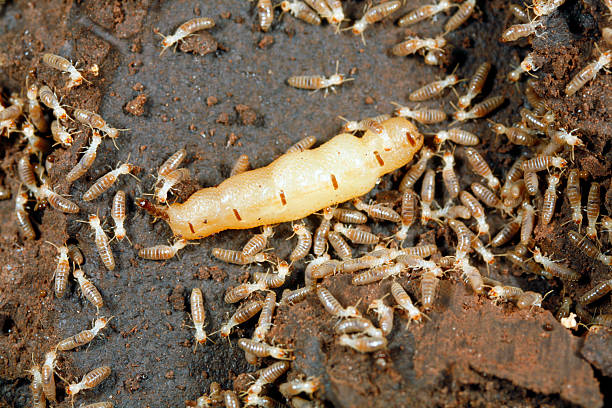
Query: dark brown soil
{"x": 222, "y": 94}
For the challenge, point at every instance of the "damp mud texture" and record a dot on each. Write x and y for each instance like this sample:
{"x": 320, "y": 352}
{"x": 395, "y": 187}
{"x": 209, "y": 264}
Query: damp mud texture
{"x": 222, "y": 93}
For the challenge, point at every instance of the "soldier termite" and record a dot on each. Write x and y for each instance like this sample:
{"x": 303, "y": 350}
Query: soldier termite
{"x": 479, "y": 110}
{"x": 508, "y": 231}
{"x": 374, "y": 15}
{"x": 518, "y": 31}
{"x": 57, "y": 201}
{"x": 265, "y": 11}
{"x": 377, "y": 211}
{"x": 84, "y": 337}
{"x": 456, "y": 135}
{"x": 264, "y": 350}
{"x": 198, "y": 314}
{"x": 26, "y": 174}
{"x": 475, "y": 86}
{"x": 102, "y": 243}
{"x": 363, "y": 344}
{"x": 162, "y": 252}
{"x": 480, "y": 167}
{"x": 477, "y": 211}
{"x": 462, "y": 14}
{"x": 316, "y": 82}
{"x": 550, "y": 199}
{"x": 588, "y": 73}
{"x": 333, "y": 306}
{"x": 425, "y": 12}
{"x": 118, "y": 214}
{"x": 265, "y": 318}
{"x": 86, "y": 160}
{"x": 514, "y": 134}
{"x": 169, "y": 181}
{"x": 89, "y": 290}
{"x": 48, "y": 380}
{"x": 414, "y": 44}
{"x": 319, "y": 241}
{"x": 95, "y": 121}
{"x": 596, "y": 293}
{"x": 308, "y": 386}
{"x": 62, "y": 64}
{"x": 105, "y": 182}
{"x": 187, "y": 28}
{"x": 304, "y": 242}
{"x": 404, "y": 302}
{"x": 372, "y": 124}
{"x": 258, "y": 242}
{"x": 300, "y": 10}
{"x": 244, "y": 313}
{"x": 592, "y": 210}
{"x": 449, "y": 176}
{"x": 541, "y": 162}
{"x": 433, "y": 89}
{"x": 385, "y": 315}
{"x": 428, "y": 192}
{"x": 241, "y": 165}
{"x": 89, "y": 380}
{"x": 36, "y": 387}
{"x": 553, "y": 267}
{"x": 268, "y": 375}
{"x": 48, "y": 98}
{"x": 586, "y": 246}
{"x": 22, "y": 217}
{"x": 416, "y": 171}
{"x": 356, "y": 236}
{"x": 407, "y": 214}
{"x": 62, "y": 271}
{"x": 34, "y": 109}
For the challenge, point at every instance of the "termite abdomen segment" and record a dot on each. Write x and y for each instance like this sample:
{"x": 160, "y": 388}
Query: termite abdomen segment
{"x": 155, "y": 210}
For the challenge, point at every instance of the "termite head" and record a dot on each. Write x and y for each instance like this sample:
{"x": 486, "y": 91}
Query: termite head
{"x": 32, "y": 92}
{"x": 440, "y": 42}
{"x": 559, "y": 162}
{"x": 441, "y": 137}
{"x": 281, "y": 354}
{"x": 498, "y": 128}
{"x": 449, "y": 159}
{"x": 200, "y": 335}
{"x": 460, "y": 115}
{"x": 351, "y": 311}
{"x": 359, "y": 26}
{"x": 94, "y": 221}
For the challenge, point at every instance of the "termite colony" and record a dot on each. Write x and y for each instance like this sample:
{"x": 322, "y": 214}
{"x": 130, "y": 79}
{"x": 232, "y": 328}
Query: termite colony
{"x": 339, "y": 239}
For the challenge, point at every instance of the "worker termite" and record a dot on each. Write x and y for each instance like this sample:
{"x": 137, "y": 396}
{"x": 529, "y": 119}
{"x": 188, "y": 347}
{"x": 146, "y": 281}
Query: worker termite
{"x": 333, "y": 306}
{"x": 533, "y": 121}
{"x": 291, "y": 297}
{"x": 243, "y": 291}
{"x": 102, "y": 243}
{"x": 169, "y": 181}
{"x": 480, "y": 167}
{"x": 198, "y": 314}
{"x": 265, "y": 11}
{"x": 62, "y": 271}
{"x": 308, "y": 386}
{"x": 36, "y": 387}
{"x": 518, "y": 31}
{"x": 187, "y": 28}
{"x": 304, "y": 242}
{"x": 34, "y": 109}
{"x": 60, "y": 134}
{"x": 456, "y": 135}
{"x": 337, "y": 13}
{"x": 428, "y": 192}
{"x": 502, "y": 293}
{"x": 265, "y": 350}
{"x": 265, "y": 318}
{"x": 604, "y": 319}
{"x": 319, "y": 241}
{"x": 316, "y": 82}
{"x": 416, "y": 171}
{"x": 508, "y": 231}
{"x": 606, "y": 223}
{"x": 385, "y": 315}
{"x": 22, "y": 217}
{"x": 26, "y": 174}
{"x": 414, "y": 44}
{"x": 564, "y": 137}
{"x": 550, "y": 199}
{"x": 374, "y": 15}
{"x": 477, "y": 211}
{"x": 404, "y": 302}
{"x": 206, "y": 211}
{"x": 62, "y": 64}
{"x": 464, "y": 238}
{"x": 596, "y": 293}
{"x": 592, "y": 210}
{"x": 274, "y": 280}
{"x": 95, "y": 121}
{"x": 48, "y": 98}
{"x": 321, "y": 7}
{"x": 301, "y": 11}
{"x": 526, "y": 65}
{"x": 514, "y": 134}
{"x": 89, "y": 290}
{"x": 377, "y": 211}
{"x": 57, "y": 201}
{"x": 486, "y": 196}
{"x": 378, "y": 273}
{"x": 532, "y": 183}
{"x": 475, "y": 86}
{"x": 48, "y": 380}
{"x": 302, "y": 144}
{"x": 86, "y": 160}
{"x": 244, "y": 313}
{"x": 429, "y": 284}
{"x": 104, "y": 404}
{"x": 479, "y": 110}
{"x": 356, "y": 236}
{"x": 407, "y": 214}
{"x": 588, "y": 73}
{"x": 574, "y": 197}
{"x": 462, "y": 14}
{"x": 258, "y": 242}
{"x": 424, "y": 116}
{"x": 373, "y": 124}
{"x": 541, "y": 162}
{"x": 470, "y": 274}
{"x": 89, "y": 380}
{"x": 527, "y": 222}
{"x": 449, "y": 176}
{"x": 172, "y": 163}
{"x": 433, "y": 89}
{"x": 118, "y": 214}
{"x": 267, "y": 376}
{"x": 545, "y": 7}
{"x": 106, "y": 181}
{"x": 162, "y": 252}
{"x": 236, "y": 257}
{"x": 363, "y": 344}
{"x": 241, "y": 165}
{"x": 586, "y": 246}
{"x": 554, "y": 268}
{"x": 84, "y": 337}
{"x": 358, "y": 325}
{"x": 425, "y": 12}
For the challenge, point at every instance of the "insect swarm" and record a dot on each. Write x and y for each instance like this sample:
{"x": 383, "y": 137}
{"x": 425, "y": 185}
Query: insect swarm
{"x": 295, "y": 193}
{"x": 187, "y": 28}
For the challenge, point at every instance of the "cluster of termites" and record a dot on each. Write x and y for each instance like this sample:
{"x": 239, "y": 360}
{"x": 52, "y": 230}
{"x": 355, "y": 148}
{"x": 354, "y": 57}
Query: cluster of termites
{"x": 341, "y": 241}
